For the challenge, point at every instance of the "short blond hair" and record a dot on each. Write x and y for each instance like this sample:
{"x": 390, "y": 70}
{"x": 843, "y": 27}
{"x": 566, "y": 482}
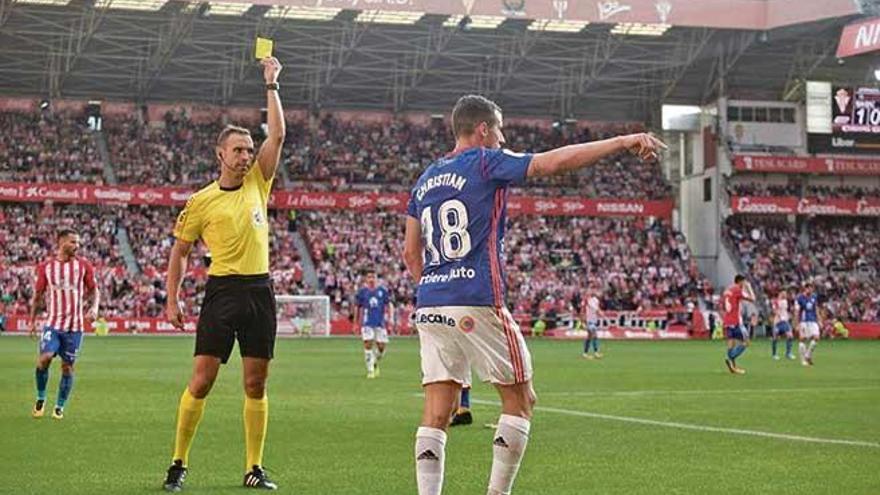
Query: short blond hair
{"x": 228, "y": 131}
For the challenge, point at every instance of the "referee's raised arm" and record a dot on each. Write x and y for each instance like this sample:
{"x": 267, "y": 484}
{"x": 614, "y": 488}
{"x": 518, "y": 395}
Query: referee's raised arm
{"x": 270, "y": 151}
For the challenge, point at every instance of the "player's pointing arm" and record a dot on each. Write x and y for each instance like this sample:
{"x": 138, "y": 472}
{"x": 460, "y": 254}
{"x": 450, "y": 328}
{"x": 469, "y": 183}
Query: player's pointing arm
{"x": 577, "y": 156}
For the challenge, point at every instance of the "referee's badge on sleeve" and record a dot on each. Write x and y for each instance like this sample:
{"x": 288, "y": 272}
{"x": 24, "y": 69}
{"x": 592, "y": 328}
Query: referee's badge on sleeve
{"x": 257, "y": 216}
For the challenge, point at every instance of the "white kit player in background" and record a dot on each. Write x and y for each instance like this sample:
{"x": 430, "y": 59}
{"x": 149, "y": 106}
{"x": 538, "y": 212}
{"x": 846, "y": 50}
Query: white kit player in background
{"x": 592, "y": 311}
{"x": 374, "y": 314}
{"x": 782, "y": 324}
{"x": 454, "y": 251}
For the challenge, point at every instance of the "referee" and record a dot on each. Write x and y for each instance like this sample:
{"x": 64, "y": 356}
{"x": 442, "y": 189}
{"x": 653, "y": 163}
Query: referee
{"x": 230, "y": 216}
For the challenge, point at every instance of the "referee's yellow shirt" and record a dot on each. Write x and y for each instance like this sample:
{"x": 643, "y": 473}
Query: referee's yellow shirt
{"x": 233, "y": 224}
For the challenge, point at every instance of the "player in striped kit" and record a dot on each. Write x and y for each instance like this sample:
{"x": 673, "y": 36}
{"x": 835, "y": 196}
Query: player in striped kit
{"x": 63, "y": 281}
{"x": 592, "y": 312}
{"x": 782, "y": 324}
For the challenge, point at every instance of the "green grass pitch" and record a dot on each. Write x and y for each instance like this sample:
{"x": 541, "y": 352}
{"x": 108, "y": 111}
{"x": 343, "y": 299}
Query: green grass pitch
{"x": 332, "y": 431}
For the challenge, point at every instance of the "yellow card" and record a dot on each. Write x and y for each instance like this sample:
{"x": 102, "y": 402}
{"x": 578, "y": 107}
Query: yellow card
{"x": 263, "y": 48}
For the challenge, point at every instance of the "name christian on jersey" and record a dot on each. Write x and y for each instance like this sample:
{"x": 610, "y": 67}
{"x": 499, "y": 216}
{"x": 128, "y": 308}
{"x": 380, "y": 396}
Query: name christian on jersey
{"x": 449, "y": 179}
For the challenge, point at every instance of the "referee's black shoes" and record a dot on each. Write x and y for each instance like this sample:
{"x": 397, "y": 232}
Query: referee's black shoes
{"x": 258, "y": 478}
{"x": 176, "y": 476}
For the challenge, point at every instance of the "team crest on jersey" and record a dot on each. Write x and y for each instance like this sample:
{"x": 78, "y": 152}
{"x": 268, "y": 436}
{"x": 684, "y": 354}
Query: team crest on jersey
{"x": 466, "y": 324}
{"x": 257, "y": 217}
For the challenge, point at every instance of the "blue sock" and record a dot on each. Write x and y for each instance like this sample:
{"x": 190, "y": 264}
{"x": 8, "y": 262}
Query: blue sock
{"x": 587, "y": 345}
{"x": 466, "y": 398}
{"x": 730, "y": 354}
{"x": 738, "y": 350}
{"x": 64, "y": 389}
{"x": 774, "y": 347}
{"x": 42, "y": 381}
{"x": 595, "y": 343}
{"x": 788, "y": 347}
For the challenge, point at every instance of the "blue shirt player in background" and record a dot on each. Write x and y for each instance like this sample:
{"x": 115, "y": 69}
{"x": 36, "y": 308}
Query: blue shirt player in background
{"x": 373, "y": 315}
{"x": 454, "y": 250}
{"x": 807, "y": 305}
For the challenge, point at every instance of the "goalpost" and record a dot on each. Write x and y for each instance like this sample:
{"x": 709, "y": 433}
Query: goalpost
{"x": 303, "y": 316}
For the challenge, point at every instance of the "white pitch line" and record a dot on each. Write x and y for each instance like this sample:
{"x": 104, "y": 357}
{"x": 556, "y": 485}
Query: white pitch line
{"x": 687, "y": 426}
{"x": 636, "y": 393}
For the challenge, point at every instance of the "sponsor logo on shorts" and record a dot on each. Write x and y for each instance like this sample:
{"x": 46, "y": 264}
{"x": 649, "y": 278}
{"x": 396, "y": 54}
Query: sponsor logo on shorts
{"x": 466, "y": 324}
{"x": 437, "y": 319}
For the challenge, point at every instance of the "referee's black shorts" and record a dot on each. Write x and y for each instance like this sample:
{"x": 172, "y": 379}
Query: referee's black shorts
{"x": 237, "y": 306}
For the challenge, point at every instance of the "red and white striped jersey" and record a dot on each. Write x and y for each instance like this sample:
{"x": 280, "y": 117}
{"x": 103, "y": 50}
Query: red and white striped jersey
{"x": 64, "y": 283}
{"x": 780, "y": 309}
{"x": 591, "y": 308}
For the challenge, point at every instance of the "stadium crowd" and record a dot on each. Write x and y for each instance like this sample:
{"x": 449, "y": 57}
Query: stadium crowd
{"x": 326, "y": 154}
{"x": 178, "y": 152}
{"x": 338, "y": 155}
{"x": 47, "y": 147}
{"x": 839, "y": 256}
{"x": 27, "y": 237}
{"x": 550, "y": 261}
{"x": 809, "y": 190}
{"x": 633, "y": 263}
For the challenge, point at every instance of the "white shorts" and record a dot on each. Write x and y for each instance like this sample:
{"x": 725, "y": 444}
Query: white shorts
{"x": 455, "y": 338}
{"x": 379, "y": 334}
{"x": 809, "y": 329}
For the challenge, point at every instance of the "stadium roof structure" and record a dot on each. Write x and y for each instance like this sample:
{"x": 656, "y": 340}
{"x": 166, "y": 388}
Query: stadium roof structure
{"x": 375, "y": 54}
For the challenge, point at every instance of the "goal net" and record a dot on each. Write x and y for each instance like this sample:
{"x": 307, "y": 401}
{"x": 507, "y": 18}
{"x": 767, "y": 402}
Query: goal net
{"x": 303, "y": 316}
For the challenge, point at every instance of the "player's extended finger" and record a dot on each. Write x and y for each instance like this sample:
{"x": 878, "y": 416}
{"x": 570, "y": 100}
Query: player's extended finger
{"x": 645, "y": 145}
{"x": 657, "y": 142}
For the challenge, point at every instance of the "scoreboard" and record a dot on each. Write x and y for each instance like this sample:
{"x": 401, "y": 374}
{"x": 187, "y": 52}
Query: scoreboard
{"x": 856, "y": 110}
{"x": 843, "y": 119}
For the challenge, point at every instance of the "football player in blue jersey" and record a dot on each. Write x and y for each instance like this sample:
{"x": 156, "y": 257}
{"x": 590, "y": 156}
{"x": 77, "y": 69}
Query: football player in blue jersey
{"x": 373, "y": 316}
{"x": 454, "y": 250}
{"x": 809, "y": 323}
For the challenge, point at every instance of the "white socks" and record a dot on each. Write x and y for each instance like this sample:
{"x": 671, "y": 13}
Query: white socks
{"x": 810, "y": 348}
{"x": 509, "y": 445}
{"x": 802, "y": 349}
{"x": 379, "y": 354}
{"x": 430, "y": 457}
{"x": 370, "y": 359}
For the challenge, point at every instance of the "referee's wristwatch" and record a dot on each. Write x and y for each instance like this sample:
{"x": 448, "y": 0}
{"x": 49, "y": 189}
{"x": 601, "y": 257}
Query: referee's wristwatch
{"x": 272, "y": 86}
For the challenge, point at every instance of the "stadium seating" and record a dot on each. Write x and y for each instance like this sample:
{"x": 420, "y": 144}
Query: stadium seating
{"x": 810, "y": 190}
{"x": 180, "y": 153}
{"x": 27, "y": 237}
{"x": 550, "y": 260}
{"x": 839, "y": 256}
{"x": 342, "y": 155}
{"x": 45, "y": 147}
